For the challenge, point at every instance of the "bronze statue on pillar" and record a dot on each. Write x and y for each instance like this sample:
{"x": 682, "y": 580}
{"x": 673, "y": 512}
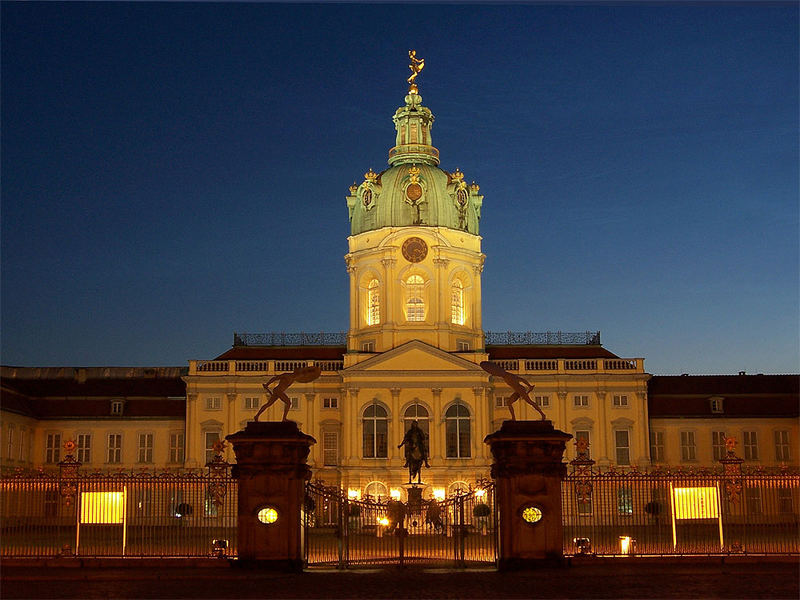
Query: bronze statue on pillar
{"x": 521, "y": 386}
{"x": 302, "y": 375}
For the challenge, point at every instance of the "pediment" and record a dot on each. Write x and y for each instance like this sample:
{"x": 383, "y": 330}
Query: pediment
{"x": 415, "y": 356}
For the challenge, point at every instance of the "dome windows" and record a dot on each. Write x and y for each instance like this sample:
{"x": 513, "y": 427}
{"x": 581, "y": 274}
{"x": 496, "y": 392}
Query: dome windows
{"x": 457, "y": 303}
{"x": 415, "y": 303}
{"x": 373, "y": 303}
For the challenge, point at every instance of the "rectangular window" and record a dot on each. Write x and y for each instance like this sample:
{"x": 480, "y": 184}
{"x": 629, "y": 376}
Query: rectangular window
{"x": 22, "y": 442}
{"x": 750, "y": 445}
{"x": 500, "y": 401}
{"x": 752, "y": 497}
{"x": 368, "y": 346}
{"x": 656, "y": 446}
{"x": 688, "y": 448}
{"x": 116, "y": 407}
{"x": 330, "y": 448}
{"x": 332, "y": 403}
{"x": 176, "y": 447}
{"x": 584, "y": 504}
{"x": 716, "y": 405}
{"x": 462, "y": 346}
{"x": 620, "y": 401}
{"x": 542, "y": 401}
{"x": 718, "y": 445}
{"x": 10, "y": 441}
{"x": 625, "y": 501}
{"x": 144, "y": 504}
{"x": 114, "y": 448}
{"x": 84, "y": 448}
{"x": 145, "y": 447}
{"x": 583, "y": 434}
{"x": 214, "y": 403}
{"x": 782, "y": 446}
{"x": 623, "y": 446}
{"x": 294, "y": 403}
{"x": 52, "y": 452}
{"x": 251, "y": 403}
{"x": 785, "y": 501}
{"x": 211, "y": 437}
{"x": 580, "y": 401}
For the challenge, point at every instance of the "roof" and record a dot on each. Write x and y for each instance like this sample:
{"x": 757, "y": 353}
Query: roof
{"x": 744, "y": 396}
{"x": 284, "y": 353}
{"x": 547, "y": 351}
{"x": 48, "y": 397}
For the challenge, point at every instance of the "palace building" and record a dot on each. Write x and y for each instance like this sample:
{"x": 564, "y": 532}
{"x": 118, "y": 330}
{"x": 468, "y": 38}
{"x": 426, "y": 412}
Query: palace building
{"x": 412, "y": 353}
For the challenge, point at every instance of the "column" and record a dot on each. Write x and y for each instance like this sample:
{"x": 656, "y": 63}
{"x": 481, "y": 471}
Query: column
{"x": 528, "y": 470}
{"x": 481, "y": 420}
{"x": 192, "y": 431}
{"x": 272, "y": 471}
{"x": 436, "y": 441}
{"x": 562, "y": 409}
{"x": 230, "y": 416}
{"x": 311, "y": 425}
{"x": 603, "y": 431}
{"x": 396, "y": 432}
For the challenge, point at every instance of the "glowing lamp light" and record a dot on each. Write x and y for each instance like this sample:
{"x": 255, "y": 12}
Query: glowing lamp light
{"x": 383, "y": 521}
{"x": 438, "y": 493}
{"x": 626, "y": 544}
{"x": 354, "y": 494}
{"x": 395, "y": 494}
{"x": 102, "y": 507}
{"x": 480, "y": 493}
{"x": 531, "y": 514}
{"x": 267, "y": 515}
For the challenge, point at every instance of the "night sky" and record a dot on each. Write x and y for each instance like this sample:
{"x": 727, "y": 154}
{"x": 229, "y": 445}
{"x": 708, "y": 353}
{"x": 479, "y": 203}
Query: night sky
{"x": 172, "y": 173}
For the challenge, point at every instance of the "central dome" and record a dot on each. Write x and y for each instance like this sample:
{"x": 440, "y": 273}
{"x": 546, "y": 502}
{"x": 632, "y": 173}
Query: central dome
{"x": 414, "y": 191}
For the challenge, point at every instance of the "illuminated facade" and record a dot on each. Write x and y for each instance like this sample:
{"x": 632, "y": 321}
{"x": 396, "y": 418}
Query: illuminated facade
{"x": 412, "y": 352}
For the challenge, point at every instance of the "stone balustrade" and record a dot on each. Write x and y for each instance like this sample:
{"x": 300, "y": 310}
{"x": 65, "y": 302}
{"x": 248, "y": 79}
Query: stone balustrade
{"x": 568, "y": 365}
{"x": 257, "y": 367}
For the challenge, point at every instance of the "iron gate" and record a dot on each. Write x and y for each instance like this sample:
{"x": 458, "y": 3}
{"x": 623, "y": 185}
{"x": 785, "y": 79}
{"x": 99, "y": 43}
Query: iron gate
{"x": 458, "y": 531}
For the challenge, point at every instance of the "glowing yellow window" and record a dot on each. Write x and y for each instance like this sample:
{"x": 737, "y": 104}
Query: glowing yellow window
{"x": 457, "y": 303}
{"x": 373, "y": 303}
{"x": 415, "y": 305}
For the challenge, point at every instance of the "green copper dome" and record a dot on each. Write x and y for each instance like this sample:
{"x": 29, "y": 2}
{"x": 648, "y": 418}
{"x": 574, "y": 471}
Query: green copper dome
{"x": 414, "y": 190}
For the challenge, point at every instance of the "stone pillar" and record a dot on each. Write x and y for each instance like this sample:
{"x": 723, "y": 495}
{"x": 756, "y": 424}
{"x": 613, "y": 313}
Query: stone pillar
{"x": 528, "y": 470}
{"x": 272, "y": 471}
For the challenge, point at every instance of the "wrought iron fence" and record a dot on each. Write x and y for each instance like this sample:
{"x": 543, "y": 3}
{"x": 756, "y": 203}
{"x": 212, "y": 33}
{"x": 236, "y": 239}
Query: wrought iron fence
{"x": 338, "y": 338}
{"x": 123, "y": 513}
{"x": 676, "y": 511}
{"x": 339, "y": 531}
{"x": 547, "y": 337}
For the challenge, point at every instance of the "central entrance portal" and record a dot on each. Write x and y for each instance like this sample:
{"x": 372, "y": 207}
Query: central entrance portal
{"x": 458, "y": 531}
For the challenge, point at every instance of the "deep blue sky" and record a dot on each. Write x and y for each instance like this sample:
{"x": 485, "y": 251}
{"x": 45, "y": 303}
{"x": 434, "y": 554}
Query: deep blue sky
{"x": 172, "y": 173}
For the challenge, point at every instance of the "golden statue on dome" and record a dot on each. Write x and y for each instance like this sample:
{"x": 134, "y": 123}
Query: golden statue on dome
{"x": 417, "y": 64}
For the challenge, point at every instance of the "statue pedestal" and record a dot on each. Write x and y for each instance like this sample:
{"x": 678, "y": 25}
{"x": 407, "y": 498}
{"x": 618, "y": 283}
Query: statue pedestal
{"x": 528, "y": 470}
{"x": 272, "y": 471}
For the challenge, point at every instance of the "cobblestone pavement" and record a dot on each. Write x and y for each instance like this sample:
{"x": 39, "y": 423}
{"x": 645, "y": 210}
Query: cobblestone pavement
{"x": 600, "y": 579}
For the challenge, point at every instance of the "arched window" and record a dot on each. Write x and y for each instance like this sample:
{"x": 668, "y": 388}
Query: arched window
{"x": 457, "y": 438}
{"x": 373, "y": 303}
{"x": 457, "y": 303}
{"x": 415, "y": 305}
{"x": 416, "y": 412}
{"x": 375, "y": 431}
{"x": 377, "y": 490}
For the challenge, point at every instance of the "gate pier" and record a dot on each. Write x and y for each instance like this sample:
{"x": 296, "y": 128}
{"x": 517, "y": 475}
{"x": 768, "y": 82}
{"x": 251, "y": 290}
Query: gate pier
{"x": 272, "y": 471}
{"x": 528, "y": 470}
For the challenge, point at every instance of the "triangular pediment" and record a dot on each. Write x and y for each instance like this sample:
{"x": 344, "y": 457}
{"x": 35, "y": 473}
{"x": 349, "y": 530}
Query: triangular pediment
{"x": 415, "y": 356}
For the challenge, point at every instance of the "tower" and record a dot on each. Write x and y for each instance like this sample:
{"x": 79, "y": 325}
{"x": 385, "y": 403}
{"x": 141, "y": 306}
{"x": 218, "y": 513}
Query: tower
{"x": 414, "y": 255}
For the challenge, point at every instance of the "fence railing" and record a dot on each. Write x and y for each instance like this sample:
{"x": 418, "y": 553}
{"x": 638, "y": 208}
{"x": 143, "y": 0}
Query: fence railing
{"x": 730, "y": 509}
{"x": 186, "y": 514}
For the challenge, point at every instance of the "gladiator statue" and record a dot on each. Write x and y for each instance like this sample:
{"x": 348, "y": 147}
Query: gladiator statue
{"x": 284, "y": 380}
{"x": 520, "y": 386}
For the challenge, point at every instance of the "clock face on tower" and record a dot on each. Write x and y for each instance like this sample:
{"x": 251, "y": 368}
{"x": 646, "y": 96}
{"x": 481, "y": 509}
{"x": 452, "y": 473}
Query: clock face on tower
{"x": 415, "y": 249}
